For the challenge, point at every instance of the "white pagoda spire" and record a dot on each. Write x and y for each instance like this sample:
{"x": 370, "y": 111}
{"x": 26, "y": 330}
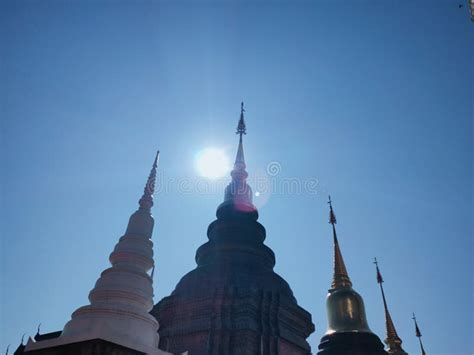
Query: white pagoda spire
{"x": 122, "y": 297}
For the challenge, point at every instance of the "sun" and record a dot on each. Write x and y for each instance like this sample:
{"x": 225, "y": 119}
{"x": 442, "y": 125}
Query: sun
{"x": 212, "y": 163}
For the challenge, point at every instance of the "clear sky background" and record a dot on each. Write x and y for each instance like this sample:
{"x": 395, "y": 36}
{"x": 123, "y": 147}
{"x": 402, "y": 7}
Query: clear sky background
{"x": 374, "y": 99}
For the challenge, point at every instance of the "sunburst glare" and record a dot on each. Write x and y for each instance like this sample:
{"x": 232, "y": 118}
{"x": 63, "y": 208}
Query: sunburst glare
{"x": 212, "y": 163}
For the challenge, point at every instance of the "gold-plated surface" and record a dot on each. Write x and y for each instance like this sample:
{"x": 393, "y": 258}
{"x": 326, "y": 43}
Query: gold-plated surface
{"x": 393, "y": 341}
{"x": 340, "y": 277}
{"x": 346, "y": 311}
{"x": 345, "y": 307}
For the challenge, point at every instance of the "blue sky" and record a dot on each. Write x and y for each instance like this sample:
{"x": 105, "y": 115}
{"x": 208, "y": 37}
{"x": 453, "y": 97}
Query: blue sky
{"x": 374, "y": 99}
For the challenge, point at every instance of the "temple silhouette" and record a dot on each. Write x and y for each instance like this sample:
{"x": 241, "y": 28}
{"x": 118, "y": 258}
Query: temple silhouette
{"x": 232, "y": 303}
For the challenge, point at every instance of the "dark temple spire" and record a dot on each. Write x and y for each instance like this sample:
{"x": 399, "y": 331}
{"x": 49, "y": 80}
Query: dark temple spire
{"x": 239, "y": 173}
{"x": 233, "y": 302}
{"x": 241, "y": 130}
{"x": 393, "y": 341}
{"x": 418, "y": 335}
{"x": 238, "y": 194}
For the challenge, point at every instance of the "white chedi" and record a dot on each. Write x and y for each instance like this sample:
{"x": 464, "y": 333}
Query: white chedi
{"x": 122, "y": 297}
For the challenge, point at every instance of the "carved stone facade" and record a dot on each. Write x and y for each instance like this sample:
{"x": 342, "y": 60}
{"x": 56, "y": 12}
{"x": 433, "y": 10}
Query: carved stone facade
{"x": 234, "y": 321}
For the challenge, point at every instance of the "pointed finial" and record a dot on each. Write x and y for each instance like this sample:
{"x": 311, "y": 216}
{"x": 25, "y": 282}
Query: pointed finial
{"x": 8, "y": 349}
{"x": 239, "y": 164}
{"x": 241, "y": 128}
{"x": 418, "y": 334}
{"x": 22, "y": 338}
{"x": 379, "y": 275}
{"x": 340, "y": 277}
{"x": 393, "y": 340}
{"x": 417, "y": 329}
{"x": 146, "y": 201}
{"x": 332, "y": 216}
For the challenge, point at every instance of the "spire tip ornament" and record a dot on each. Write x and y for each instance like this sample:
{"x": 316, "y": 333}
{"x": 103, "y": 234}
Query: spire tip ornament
{"x": 332, "y": 216}
{"x": 379, "y": 275}
{"x": 418, "y": 334}
{"x": 241, "y": 128}
{"x": 146, "y": 201}
{"x": 239, "y": 165}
